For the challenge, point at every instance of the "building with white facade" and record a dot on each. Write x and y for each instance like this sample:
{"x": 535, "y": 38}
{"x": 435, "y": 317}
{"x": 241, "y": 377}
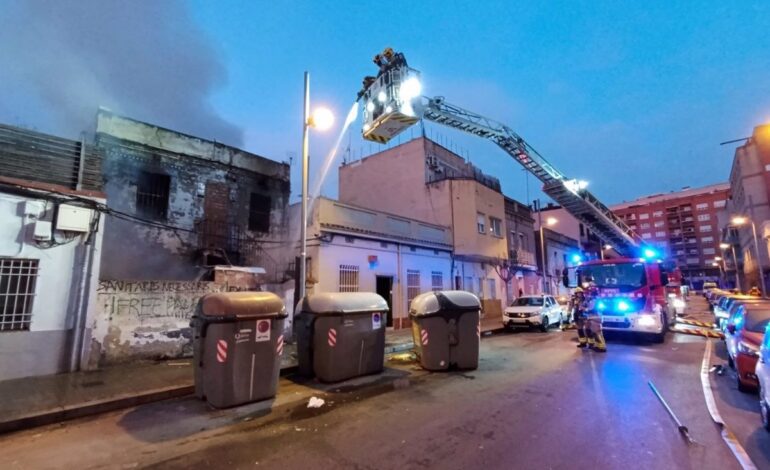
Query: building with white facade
{"x": 353, "y": 249}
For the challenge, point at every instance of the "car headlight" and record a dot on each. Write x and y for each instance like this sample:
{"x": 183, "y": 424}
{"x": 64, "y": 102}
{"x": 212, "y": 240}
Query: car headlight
{"x": 671, "y": 295}
{"x": 748, "y": 349}
{"x": 679, "y": 303}
{"x": 646, "y": 320}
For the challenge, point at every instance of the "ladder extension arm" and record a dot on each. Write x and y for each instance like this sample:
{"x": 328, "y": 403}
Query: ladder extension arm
{"x": 577, "y": 201}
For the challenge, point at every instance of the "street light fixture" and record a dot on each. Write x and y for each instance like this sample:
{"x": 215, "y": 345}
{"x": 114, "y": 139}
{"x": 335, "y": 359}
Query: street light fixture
{"x": 322, "y": 119}
{"x": 739, "y": 220}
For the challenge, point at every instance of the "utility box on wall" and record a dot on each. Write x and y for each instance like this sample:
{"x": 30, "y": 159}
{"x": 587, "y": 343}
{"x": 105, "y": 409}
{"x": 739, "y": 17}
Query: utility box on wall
{"x": 73, "y": 218}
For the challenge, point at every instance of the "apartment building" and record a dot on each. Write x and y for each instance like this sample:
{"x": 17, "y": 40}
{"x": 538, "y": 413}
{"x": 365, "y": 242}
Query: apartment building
{"x": 522, "y": 269}
{"x": 685, "y": 225}
{"x": 424, "y": 181}
{"x": 750, "y": 185}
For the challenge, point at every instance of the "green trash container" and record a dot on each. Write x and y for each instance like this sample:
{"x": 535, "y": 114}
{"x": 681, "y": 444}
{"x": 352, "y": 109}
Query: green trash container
{"x": 340, "y": 335}
{"x": 446, "y": 329}
{"x": 237, "y": 346}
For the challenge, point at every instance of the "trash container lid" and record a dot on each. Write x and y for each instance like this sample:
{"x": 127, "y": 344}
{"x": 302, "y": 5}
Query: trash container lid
{"x": 243, "y": 304}
{"x": 335, "y": 303}
{"x": 429, "y": 303}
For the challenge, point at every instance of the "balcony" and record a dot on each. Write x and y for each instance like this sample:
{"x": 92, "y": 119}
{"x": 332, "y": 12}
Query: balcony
{"x": 522, "y": 258}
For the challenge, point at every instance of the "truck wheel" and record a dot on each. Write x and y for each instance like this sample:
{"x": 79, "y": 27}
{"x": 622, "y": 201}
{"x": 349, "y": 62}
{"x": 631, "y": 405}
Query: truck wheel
{"x": 660, "y": 338}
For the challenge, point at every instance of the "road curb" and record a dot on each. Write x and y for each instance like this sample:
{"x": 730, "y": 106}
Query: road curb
{"x": 96, "y": 407}
{"x": 114, "y": 404}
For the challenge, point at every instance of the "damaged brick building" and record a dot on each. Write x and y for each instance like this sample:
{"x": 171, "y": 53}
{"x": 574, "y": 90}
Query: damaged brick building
{"x": 182, "y": 205}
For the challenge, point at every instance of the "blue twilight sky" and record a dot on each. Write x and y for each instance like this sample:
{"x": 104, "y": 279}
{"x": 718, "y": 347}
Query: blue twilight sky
{"x": 633, "y": 96}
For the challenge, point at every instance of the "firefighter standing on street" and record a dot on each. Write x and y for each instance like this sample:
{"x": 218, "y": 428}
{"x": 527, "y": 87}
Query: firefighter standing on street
{"x": 578, "y": 308}
{"x": 593, "y": 321}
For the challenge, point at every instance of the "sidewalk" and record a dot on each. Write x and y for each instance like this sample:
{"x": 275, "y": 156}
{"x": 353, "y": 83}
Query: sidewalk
{"x": 37, "y": 401}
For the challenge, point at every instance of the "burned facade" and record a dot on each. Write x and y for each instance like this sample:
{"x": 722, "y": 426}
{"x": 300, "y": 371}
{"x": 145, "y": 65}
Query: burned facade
{"x": 184, "y": 204}
{"x": 180, "y": 207}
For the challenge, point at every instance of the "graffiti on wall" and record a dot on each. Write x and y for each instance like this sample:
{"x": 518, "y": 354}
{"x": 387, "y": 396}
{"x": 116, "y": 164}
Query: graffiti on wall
{"x": 147, "y": 301}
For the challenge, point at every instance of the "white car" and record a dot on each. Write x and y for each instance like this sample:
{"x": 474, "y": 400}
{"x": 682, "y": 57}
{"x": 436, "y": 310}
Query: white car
{"x": 533, "y": 310}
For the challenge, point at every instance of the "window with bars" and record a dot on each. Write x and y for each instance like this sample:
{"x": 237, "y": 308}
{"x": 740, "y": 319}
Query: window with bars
{"x": 152, "y": 191}
{"x": 18, "y": 278}
{"x": 348, "y": 278}
{"x": 437, "y": 280}
{"x": 492, "y": 289}
{"x": 412, "y": 284}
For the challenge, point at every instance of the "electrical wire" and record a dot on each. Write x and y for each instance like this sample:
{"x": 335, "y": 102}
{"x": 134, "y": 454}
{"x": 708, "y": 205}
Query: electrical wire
{"x": 80, "y": 201}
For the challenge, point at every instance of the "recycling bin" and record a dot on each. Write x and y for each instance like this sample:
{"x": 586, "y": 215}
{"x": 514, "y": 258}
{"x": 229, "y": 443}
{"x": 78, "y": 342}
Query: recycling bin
{"x": 340, "y": 335}
{"x": 237, "y": 346}
{"x": 446, "y": 329}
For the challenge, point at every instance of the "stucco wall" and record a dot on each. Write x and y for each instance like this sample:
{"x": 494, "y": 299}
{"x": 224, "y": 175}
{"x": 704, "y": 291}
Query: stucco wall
{"x": 47, "y": 347}
{"x": 144, "y": 319}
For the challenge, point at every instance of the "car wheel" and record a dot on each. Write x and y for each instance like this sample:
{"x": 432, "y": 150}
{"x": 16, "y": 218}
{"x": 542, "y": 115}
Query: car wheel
{"x": 730, "y": 362}
{"x": 660, "y": 338}
{"x": 765, "y": 414}
{"x": 545, "y": 324}
{"x": 743, "y": 387}
{"x": 561, "y": 319}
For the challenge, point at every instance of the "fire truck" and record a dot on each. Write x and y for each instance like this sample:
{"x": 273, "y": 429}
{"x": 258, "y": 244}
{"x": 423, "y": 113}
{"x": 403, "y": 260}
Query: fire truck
{"x": 631, "y": 288}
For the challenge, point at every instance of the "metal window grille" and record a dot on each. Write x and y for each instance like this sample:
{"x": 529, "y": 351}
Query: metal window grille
{"x": 18, "y": 278}
{"x": 412, "y": 284}
{"x": 348, "y": 278}
{"x": 492, "y": 289}
{"x": 152, "y": 191}
{"x": 437, "y": 280}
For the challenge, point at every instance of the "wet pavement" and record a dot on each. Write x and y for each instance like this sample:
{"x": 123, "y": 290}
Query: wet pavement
{"x": 536, "y": 401}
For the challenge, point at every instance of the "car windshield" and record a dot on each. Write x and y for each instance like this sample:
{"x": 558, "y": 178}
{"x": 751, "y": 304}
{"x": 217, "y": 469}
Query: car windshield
{"x": 615, "y": 275}
{"x": 757, "y": 319}
{"x": 528, "y": 302}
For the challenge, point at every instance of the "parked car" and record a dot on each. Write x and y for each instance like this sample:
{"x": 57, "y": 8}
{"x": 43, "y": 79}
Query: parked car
{"x": 745, "y": 332}
{"x": 708, "y": 285}
{"x": 533, "y": 310}
{"x": 731, "y": 306}
{"x": 763, "y": 376}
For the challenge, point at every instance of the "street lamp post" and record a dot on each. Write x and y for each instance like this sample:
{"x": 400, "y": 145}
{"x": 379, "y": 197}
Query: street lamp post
{"x": 322, "y": 119}
{"x": 741, "y": 220}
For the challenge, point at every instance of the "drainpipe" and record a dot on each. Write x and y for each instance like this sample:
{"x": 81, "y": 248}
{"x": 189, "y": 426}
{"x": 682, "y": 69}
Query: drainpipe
{"x": 81, "y": 312}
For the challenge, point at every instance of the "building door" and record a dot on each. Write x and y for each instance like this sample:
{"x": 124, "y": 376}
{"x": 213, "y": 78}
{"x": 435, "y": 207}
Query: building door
{"x": 385, "y": 290}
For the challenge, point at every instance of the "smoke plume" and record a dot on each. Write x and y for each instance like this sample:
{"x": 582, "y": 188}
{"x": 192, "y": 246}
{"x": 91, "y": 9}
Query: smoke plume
{"x": 60, "y": 60}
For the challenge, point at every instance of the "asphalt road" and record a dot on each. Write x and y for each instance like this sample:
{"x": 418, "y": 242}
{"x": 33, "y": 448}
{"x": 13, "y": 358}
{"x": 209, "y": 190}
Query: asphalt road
{"x": 536, "y": 401}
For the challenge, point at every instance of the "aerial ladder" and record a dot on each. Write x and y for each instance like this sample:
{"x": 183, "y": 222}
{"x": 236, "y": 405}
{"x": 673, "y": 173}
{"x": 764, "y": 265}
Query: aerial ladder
{"x": 392, "y": 102}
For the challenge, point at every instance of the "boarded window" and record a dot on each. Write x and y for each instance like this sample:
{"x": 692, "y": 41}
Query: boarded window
{"x": 412, "y": 284}
{"x": 348, "y": 278}
{"x": 437, "y": 280}
{"x": 259, "y": 213}
{"x": 152, "y": 190}
{"x": 18, "y": 278}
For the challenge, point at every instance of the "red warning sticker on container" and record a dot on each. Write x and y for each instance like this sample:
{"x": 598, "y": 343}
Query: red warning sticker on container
{"x": 263, "y": 331}
{"x": 279, "y": 345}
{"x": 221, "y": 350}
{"x": 424, "y": 337}
{"x": 332, "y": 337}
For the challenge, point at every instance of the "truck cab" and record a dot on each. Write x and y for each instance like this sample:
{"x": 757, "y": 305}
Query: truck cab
{"x": 629, "y": 294}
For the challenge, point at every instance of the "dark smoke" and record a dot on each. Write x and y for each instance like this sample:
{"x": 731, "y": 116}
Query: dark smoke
{"x": 60, "y": 60}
